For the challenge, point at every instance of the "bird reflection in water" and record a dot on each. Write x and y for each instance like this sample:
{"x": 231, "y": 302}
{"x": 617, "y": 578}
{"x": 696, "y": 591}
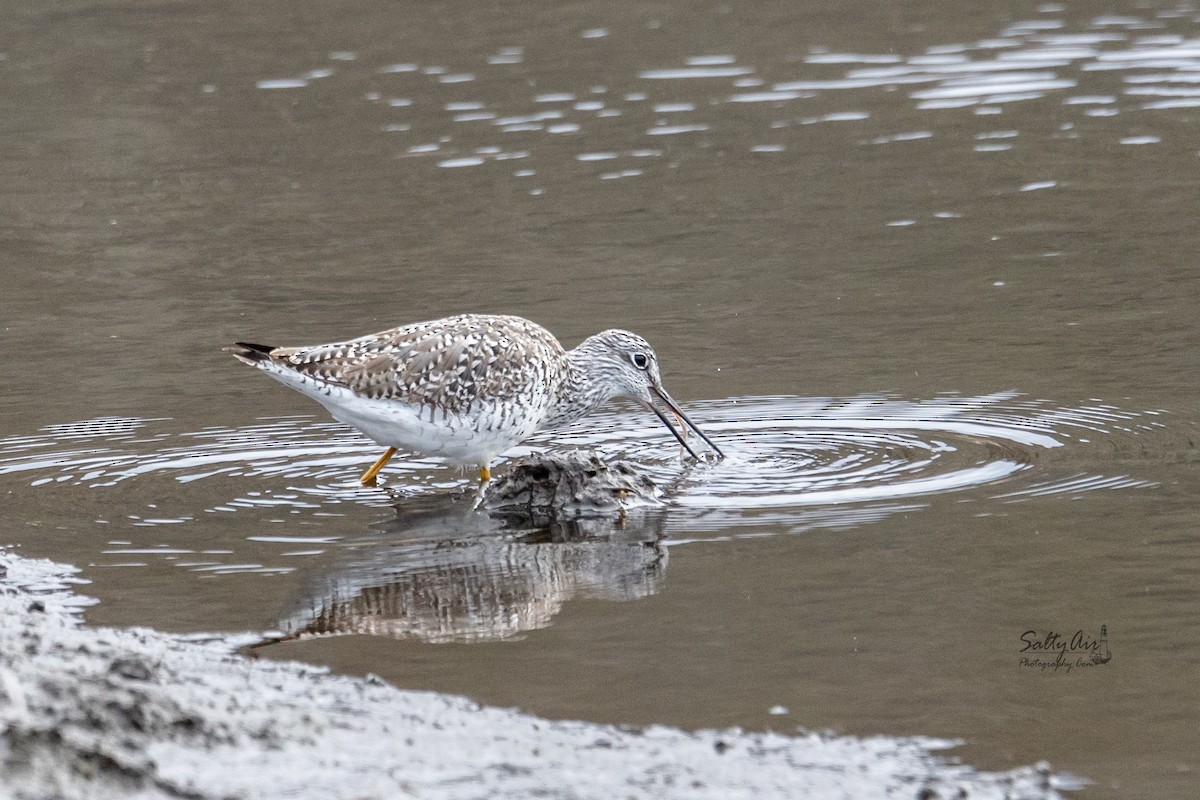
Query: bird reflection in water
{"x": 437, "y": 576}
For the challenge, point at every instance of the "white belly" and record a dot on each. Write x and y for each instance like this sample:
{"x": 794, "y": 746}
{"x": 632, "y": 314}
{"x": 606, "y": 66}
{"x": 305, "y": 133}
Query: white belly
{"x": 471, "y": 437}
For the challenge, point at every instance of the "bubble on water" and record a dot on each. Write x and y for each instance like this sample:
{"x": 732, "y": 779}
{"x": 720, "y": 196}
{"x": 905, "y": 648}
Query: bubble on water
{"x": 672, "y": 108}
{"x": 465, "y": 161}
{"x": 282, "y": 83}
{"x": 671, "y": 130}
{"x": 686, "y": 73}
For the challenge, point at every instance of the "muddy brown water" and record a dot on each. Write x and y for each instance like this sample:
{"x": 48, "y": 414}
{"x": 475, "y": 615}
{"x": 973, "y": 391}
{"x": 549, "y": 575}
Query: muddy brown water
{"x": 928, "y": 276}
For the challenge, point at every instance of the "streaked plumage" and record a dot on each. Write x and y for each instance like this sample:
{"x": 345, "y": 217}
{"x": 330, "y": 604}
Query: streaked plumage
{"x": 466, "y": 388}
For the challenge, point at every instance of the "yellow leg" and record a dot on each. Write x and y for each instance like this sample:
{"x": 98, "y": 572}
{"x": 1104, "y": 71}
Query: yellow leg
{"x": 368, "y": 477}
{"x": 485, "y": 475}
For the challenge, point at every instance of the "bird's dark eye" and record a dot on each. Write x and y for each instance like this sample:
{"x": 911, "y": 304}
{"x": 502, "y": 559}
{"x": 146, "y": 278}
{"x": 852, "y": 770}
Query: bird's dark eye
{"x": 639, "y": 360}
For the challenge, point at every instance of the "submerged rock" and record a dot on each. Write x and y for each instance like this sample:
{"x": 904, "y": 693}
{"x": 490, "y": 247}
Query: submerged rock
{"x": 575, "y": 483}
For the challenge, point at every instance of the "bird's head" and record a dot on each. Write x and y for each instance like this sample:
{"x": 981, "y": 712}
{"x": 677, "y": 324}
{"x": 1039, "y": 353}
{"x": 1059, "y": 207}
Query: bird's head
{"x": 622, "y": 364}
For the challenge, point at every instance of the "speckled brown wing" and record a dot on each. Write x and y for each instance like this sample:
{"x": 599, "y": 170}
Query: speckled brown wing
{"x": 446, "y": 363}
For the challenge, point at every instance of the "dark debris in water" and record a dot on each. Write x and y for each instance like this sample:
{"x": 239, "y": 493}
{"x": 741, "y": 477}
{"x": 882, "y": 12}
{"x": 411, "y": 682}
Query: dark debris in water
{"x": 575, "y": 483}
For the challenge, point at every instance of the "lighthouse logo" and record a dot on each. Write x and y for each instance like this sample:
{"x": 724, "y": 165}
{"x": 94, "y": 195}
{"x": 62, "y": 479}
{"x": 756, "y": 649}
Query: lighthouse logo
{"x": 1102, "y": 654}
{"x": 1055, "y": 651}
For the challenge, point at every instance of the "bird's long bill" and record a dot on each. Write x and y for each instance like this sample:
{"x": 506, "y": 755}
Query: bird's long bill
{"x": 670, "y": 403}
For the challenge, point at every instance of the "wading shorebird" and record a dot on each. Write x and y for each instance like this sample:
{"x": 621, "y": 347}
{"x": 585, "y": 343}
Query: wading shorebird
{"x": 467, "y": 388}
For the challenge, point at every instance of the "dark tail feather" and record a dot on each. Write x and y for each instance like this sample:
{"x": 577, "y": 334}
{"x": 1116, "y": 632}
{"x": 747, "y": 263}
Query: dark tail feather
{"x": 250, "y": 353}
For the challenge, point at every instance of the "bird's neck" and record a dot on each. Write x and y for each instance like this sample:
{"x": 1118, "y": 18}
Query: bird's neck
{"x": 579, "y": 394}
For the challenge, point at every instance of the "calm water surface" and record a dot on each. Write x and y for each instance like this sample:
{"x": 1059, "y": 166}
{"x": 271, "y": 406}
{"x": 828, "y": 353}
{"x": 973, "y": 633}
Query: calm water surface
{"x": 928, "y": 277}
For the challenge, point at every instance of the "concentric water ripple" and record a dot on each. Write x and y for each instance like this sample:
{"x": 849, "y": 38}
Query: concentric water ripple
{"x": 783, "y": 453}
{"x": 822, "y": 462}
